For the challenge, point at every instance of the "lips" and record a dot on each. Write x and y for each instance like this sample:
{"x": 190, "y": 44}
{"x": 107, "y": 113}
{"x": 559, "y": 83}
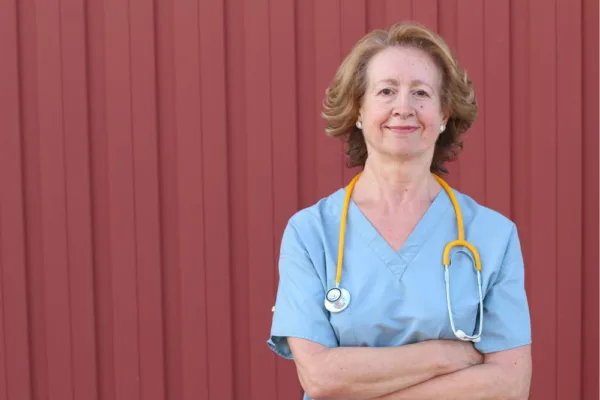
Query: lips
{"x": 403, "y": 128}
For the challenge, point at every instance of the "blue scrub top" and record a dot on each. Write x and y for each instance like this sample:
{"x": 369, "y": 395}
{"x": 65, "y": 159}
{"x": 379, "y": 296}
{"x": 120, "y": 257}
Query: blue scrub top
{"x": 399, "y": 297}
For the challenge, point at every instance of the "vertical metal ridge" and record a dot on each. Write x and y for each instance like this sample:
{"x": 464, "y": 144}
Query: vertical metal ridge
{"x": 203, "y": 208}
{"x": 258, "y": 126}
{"x": 484, "y": 116}
{"x": 190, "y": 271}
{"x": 100, "y": 212}
{"x": 53, "y": 217}
{"x": 543, "y": 185}
{"x": 92, "y": 203}
{"x": 590, "y": 199}
{"x": 121, "y": 221}
{"x": 147, "y": 199}
{"x": 160, "y": 201}
{"x": 569, "y": 191}
{"x": 166, "y": 104}
{"x": 75, "y": 93}
{"x": 134, "y": 216}
{"x": 237, "y": 186}
{"x": 15, "y": 324}
{"x": 555, "y": 250}
{"x": 215, "y": 198}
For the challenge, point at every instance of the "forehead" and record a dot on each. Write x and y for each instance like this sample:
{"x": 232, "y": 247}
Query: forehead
{"x": 404, "y": 64}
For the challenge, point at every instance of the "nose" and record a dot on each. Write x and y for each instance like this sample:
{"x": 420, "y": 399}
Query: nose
{"x": 403, "y": 106}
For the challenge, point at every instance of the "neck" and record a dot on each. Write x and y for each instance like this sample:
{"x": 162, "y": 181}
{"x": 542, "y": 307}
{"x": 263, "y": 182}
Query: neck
{"x": 394, "y": 184}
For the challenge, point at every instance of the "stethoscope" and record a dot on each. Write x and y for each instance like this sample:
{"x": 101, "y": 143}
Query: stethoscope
{"x": 337, "y": 298}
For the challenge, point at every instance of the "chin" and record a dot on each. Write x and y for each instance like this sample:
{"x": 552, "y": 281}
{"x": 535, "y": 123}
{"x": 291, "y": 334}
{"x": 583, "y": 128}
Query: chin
{"x": 401, "y": 152}
{"x": 402, "y": 146}
{"x": 401, "y": 155}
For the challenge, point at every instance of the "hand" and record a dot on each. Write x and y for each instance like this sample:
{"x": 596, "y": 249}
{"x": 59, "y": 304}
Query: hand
{"x": 467, "y": 354}
{"x": 458, "y": 355}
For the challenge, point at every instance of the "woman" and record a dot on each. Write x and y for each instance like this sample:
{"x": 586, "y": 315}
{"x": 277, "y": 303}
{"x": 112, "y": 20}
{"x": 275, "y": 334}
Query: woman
{"x": 402, "y": 103}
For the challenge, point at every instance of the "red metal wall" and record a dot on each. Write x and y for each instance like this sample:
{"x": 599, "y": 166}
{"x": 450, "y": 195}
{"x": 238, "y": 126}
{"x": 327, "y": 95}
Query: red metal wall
{"x": 151, "y": 153}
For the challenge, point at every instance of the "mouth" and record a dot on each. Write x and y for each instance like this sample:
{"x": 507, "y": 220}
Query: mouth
{"x": 402, "y": 128}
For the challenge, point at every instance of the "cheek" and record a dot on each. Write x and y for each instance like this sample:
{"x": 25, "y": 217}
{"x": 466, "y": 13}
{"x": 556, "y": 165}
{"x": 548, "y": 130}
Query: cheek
{"x": 429, "y": 117}
{"x": 376, "y": 113}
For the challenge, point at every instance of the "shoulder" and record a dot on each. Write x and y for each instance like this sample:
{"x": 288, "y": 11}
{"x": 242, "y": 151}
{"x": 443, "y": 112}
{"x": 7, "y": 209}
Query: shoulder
{"x": 311, "y": 225}
{"x": 495, "y": 237}
{"x": 480, "y": 217}
{"x": 318, "y": 213}
{"x": 491, "y": 231}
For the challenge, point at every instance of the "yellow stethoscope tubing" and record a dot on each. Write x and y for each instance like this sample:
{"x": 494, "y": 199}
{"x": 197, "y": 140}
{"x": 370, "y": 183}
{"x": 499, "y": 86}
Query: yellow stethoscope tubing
{"x": 460, "y": 227}
{"x": 446, "y": 256}
{"x": 338, "y": 275}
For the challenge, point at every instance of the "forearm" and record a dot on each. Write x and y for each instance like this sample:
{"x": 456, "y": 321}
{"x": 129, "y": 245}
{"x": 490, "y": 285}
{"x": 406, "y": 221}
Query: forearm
{"x": 365, "y": 373}
{"x": 484, "y": 381}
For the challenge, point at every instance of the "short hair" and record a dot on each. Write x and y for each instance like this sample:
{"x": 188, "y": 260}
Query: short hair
{"x": 344, "y": 96}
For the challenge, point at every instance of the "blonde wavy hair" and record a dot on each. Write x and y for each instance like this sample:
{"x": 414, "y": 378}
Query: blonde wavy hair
{"x": 343, "y": 97}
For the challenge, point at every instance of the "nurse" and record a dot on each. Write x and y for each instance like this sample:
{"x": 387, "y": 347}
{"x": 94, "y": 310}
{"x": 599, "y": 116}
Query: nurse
{"x": 401, "y": 103}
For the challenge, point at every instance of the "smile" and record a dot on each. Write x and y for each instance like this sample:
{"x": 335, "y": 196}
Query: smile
{"x": 402, "y": 129}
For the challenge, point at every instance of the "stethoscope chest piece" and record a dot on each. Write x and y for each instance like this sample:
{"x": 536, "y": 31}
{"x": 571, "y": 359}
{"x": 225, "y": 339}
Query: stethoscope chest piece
{"x": 337, "y": 299}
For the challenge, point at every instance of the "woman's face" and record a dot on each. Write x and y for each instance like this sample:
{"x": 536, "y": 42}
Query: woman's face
{"x": 401, "y": 112}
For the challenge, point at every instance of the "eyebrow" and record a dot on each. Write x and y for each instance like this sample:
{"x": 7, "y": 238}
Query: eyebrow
{"x": 415, "y": 82}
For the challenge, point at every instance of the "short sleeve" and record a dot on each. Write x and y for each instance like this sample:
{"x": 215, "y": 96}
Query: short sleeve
{"x": 299, "y": 307}
{"x": 506, "y": 322}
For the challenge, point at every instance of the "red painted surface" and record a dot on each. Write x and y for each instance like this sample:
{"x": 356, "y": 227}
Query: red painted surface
{"x": 152, "y": 152}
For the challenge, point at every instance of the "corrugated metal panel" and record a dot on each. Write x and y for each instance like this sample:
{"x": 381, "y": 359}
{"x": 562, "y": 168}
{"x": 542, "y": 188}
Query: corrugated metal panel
{"x": 152, "y": 152}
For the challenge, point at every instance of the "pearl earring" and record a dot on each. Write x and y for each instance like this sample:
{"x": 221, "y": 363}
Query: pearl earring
{"x": 359, "y": 124}
{"x": 442, "y": 127}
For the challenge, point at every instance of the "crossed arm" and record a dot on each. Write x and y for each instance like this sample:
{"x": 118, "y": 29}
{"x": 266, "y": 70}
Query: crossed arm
{"x": 502, "y": 375}
{"x": 438, "y": 369}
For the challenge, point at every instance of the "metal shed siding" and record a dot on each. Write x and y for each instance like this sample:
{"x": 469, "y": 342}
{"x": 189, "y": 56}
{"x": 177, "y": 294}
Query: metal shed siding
{"x": 151, "y": 153}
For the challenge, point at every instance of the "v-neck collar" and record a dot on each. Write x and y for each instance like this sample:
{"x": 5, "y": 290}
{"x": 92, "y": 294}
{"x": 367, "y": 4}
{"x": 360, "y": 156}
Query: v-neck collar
{"x": 397, "y": 262}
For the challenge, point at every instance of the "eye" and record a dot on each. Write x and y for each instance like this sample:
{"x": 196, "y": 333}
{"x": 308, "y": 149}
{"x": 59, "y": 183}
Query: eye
{"x": 421, "y": 93}
{"x": 386, "y": 91}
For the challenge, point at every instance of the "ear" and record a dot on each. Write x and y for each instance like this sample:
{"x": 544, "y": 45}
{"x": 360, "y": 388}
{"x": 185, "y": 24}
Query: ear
{"x": 359, "y": 116}
{"x": 444, "y": 122}
{"x": 445, "y": 119}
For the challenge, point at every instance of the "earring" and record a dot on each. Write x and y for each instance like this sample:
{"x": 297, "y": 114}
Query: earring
{"x": 442, "y": 127}
{"x": 359, "y": 124}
